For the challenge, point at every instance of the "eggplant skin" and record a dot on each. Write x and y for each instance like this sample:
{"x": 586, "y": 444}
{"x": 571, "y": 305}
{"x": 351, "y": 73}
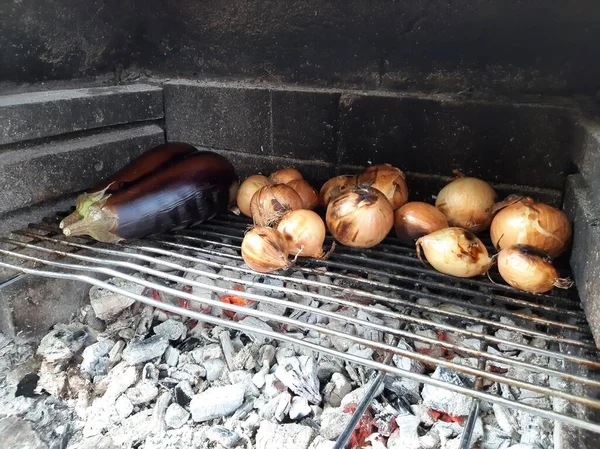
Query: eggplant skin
{"x": 189, "y": 192}
{"x": 157, "y": 158}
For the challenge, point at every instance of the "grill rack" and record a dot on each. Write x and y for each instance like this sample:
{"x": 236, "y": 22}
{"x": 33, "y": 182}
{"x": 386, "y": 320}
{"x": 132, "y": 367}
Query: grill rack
{"x": 556, "y": 319}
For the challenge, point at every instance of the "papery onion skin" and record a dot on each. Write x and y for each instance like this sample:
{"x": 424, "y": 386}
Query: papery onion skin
{"x": 285, "y": 175}
{"x": 310, "y": 197}
{"x": 361, "y": 217}
{"x": 455, "y": 251}
{"x": 335, "y": 187}
{"x": 416, "y": 219}
{"x": 388, "y": 180}
{"x": 271, "y": 203}
{"x": 304, "y": 231}
{"x": 265, "y": 250}
{"x": 467, "y": 203}
{"x": 523, "y": 221}
{"x": 247, "y": 190}
{"x": 530, "y": 269}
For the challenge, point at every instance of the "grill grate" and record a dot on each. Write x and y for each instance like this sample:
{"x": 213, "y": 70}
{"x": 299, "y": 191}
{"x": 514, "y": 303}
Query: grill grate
{"x": 415, "y": 297}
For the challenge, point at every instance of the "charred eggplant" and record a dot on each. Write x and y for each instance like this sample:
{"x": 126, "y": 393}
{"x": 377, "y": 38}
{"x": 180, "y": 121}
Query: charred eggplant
{"x": 153, "y": 160}
{"x": 191, "y": 191}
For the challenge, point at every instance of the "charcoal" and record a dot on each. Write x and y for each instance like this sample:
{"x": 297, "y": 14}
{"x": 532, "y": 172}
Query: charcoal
{"x": 115, "y": 354}
{"x": 333, "y": 422}
{"x": 171, "y": 356}
{"x": 123, "y": 406}
{"x": 108, "y": 305}
{"x": 157, "y": 424}
{"x": 299, "y": 374}
{"x": 96, "y": 359}
{"x": 336, "y": 389}
{"x": 203, "y": 353}
{"x": 406, "y": 363}
{"x": 119, "y": 379}
{"x": 216, "y": 402}
{"x": 276, "y": 408}
{"x": 223, "y": 437}
{"x": 142, "y": 393}
{"x": 321, "y": 443}
{"x": 273, "y": 386}
{"x": 445, "y": 400}
{"x": 183, "y": 393}
{"x": 213, "y": 368}
{"x": 176, "y": 416}
{"x": 355, "y": 396}
{"x": 299, "y": 408}
{"x": 406, "y": 436}
{"x": 18, "y": 433}
{"x": 171, "y": 330}
{"x": 144, "y": 350}
{"x": 64, "y": 341}
{"x": 288, "y": 436}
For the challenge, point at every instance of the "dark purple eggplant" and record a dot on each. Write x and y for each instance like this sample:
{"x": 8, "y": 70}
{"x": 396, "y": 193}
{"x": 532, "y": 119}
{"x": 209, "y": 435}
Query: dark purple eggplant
{"x": 189, "y": 192}
{"x": 156, "y": 159}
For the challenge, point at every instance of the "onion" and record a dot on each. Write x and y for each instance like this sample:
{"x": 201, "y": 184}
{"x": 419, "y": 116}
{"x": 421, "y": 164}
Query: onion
{"x": 248, "y": 188}
{"x": 304, "y": 232}
{"x": 265, "y": 250}
{"x": 416, "y": 219}
{"x": 467, "y": 202}
{"x": 284, "y": 176}
{"x": 335, "y": 187}
{"x": 361, "y": 217}
{"x": 455, "y": 251}
{"x": 529, "y": 269}
{"x": 523, "y": 221}
{"x": 270, "y": 203}
{"x": 388, "y": 180}
{"x": 310, "y": 197}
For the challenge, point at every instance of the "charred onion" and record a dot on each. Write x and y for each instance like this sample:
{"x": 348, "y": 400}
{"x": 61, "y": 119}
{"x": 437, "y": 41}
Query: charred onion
{"x": 416, "y": 219}
{"x": 265, "y": 250}
{"x": 388, "y": 180}
{"x": 270, "y": 203}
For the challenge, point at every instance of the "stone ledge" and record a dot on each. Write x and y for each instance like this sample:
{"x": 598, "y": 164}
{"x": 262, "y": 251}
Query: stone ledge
{"x": 36, "y": 115}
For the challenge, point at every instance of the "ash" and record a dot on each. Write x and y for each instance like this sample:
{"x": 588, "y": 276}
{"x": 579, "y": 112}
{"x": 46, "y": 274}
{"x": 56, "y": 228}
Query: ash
{"x": 125, "y": 375}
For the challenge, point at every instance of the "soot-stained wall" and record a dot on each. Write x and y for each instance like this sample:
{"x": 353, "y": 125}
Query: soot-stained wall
{"x": 548, "y": 46}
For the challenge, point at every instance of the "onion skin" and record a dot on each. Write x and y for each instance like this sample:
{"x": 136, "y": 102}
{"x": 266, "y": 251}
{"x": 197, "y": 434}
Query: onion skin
{"x": 467, "y": 203}
{"x": 271, "y": 203}
{"x": 247, "y": 190}
{"x": 189, "y": 192}
{"x": 304, "y": 232}
{"x": 310, "y": 197}
{"x": 388, "y": 180}
{"x": 416, "y": 219}
{"x": 265, "y": 250}
{"x": 285, "y": 176}
{"x": 361, "y": 217}
{"x": 523, "y": 221}
{"x": 455, "y": 251}
{"x": 157, "y": 158}
{"x": 529, "y": 269}
{"x": 335, "y": 187}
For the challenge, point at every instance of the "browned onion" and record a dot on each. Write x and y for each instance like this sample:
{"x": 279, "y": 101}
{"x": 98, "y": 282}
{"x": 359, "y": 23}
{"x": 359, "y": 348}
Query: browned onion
{"x": 388, "y": 180}
{"x": 467, "y": 203}
{"x": 304, "y": 231}
{"x": 529, "y": 269}
{"x": 310, "y": 197}
{"x": 335, "y": 187}
{"x": 523, "y": 221}
{"x": 361, "y": 217}
{"x": 416, "y": 219}
{"x": 284, "y": 176}
{"x": 265, "y": 250}
{"x": 247, "y": 190}
{"x": 455, "y": 251}
{"x": 270, "y": 203}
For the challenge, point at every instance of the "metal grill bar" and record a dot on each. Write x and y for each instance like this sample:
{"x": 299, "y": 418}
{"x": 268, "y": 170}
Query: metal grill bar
{"x": 554, "y": 324}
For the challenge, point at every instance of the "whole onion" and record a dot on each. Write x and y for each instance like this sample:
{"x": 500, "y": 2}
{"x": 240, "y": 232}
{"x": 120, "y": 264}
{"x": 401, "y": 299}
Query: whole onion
{"x": 247, "y": 189}
{"x": 416, "y": 219}
{"x": 304, "y": 231}
{"x": 265, "y": 250}
{"x": 270, "y": 203}
{"x": 523, "y": 221}
{"x": 467, "y": 203}
{"x": 361, "y": 217}
{"x": 529, "y": 269}
{"x": 455, "y": 251}
{"x": 335, "y": 187}
{"x": 284, "y": 176}
{"x": 388, "y": 180}
{"x": 310, "y": 197}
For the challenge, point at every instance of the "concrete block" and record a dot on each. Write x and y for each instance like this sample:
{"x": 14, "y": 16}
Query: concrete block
{"x": 43, "y": 114}
{"x": 501, "y": 143}
{"x": 584, "y": 212}
{"x": 305, "y": 124}
{"x": 586, "y": 152}
{"x": 46, "y": 171}
{"x": 229, "y": 117}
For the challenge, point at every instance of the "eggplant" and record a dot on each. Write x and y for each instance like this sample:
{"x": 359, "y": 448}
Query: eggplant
{"x": 153, "y": 160}
{"x": 191, "y": 191}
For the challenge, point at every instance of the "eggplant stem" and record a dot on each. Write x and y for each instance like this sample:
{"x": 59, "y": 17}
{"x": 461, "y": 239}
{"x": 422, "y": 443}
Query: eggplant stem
{"x": 98, "y": 224}
{"x": 70, "y": 219}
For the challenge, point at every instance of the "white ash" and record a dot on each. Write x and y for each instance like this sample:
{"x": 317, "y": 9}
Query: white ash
{"x": 407, "y": 363}
{"x": 107, "y": 304}
{"x": 144, "y": 350}
{"x": 142, "y": 393}
{"x": 171, "y": 330}
{"x": 63, "y": 342}
{"x": 176, "y": 416}
{"x": 321, "y": 443}
{"x": 406, "y": 436}
{"x": 96, "y": 358}
{"x": 123, "y": 406}
{"x": 445, "y": 400}
{"x": 171, "y": 356}
{"x": 289, "y": 436}
{"x": 336, "y": 389}
{"x": 299, "y": 408}
{"x": 258, "y": 324}
{"x": 333, "y": 422}
{"x": 299, "y": 374}
{"x": 216, "y": 402}
{"x": 223, "y": 436}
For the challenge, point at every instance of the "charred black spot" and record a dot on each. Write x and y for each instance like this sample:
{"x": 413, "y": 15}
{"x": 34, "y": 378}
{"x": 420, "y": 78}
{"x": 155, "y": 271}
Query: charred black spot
{"x": 365, "y": 193}
{"x": 344, "y": 227}
{"x": 532, "y": 251}
{"x": 469, "y": 236}
{"x": 27, "y": 385}
{"x": 277, "y": 206}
